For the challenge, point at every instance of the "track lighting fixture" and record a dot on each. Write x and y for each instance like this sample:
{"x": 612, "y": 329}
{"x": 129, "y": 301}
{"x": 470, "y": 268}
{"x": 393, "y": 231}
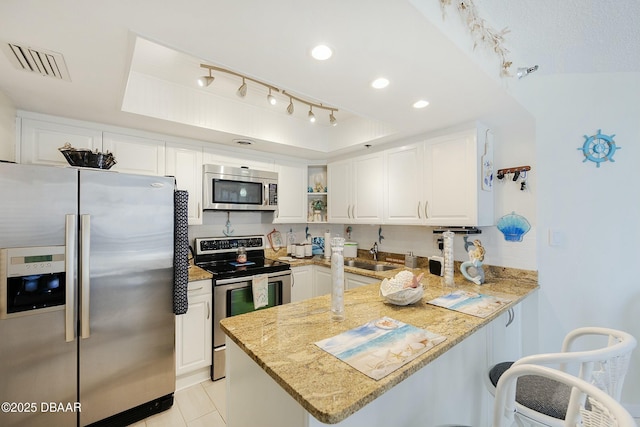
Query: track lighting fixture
{"x": 205, "y": 80}
{"x": 271, "y": 98}
{"x": 242, "y": 91}
{"x": 523, "y": 72}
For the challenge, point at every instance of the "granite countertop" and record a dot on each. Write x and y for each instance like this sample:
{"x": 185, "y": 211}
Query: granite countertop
{"x": 196, "y": 273}
{"x": 281, "y": 339}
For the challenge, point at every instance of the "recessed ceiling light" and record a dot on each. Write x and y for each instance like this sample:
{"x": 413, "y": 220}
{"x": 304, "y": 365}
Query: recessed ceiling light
{"x": 420, "y": 104}
{"x": 380, "y": 83}
{"x": 321, "y": 52}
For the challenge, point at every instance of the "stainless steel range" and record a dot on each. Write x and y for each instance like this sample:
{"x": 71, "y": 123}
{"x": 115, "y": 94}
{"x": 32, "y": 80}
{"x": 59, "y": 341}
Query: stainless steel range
{"x": 232, "y": 282}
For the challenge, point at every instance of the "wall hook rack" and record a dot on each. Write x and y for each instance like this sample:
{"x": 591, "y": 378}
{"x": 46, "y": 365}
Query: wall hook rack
{"x": 519, "y": 173}
{"x": 518, "y": 169}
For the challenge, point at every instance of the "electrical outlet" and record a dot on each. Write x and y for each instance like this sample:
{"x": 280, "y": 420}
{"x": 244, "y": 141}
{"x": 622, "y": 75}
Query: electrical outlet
{"x": 438, "y": 243}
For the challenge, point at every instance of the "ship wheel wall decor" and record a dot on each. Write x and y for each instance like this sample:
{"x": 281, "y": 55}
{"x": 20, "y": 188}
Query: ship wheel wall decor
{"x": 599, "y": 148}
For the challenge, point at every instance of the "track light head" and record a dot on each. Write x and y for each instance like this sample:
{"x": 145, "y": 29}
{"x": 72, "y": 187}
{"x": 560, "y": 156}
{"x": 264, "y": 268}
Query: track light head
{"x": 332, "y": 119}
{"x": 271, "y": 98}
{"x": 242, "y": 90}
{"x": 523, "y": 72}
{"x": 290, "y": 106}
{"x": 312, "y": 117}
{"x": 205, "y": 81}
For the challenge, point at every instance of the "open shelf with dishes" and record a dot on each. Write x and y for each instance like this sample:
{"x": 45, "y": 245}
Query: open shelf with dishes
{"x": 317, "y": 193}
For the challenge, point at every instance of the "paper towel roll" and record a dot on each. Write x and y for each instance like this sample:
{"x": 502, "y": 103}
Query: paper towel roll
{"x": 327, "y": 245}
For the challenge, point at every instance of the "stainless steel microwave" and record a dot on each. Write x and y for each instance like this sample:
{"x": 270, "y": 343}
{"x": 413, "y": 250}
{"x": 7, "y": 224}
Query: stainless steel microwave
{"x": 239, "y": 189}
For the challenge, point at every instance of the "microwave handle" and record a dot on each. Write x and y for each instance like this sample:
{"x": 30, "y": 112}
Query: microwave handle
{"x": 265, "y": 199}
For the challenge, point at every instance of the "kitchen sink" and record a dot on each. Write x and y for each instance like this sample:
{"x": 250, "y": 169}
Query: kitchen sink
{"x": 369, "y": 266}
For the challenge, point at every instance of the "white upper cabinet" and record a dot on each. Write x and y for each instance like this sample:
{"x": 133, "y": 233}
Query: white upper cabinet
{"x": 339, "y": 206}
{"x": 453, "y": 190}
{"x": 40, "y": 141}
{"x": 184, "y": 162}
{"x": 133, "y": 154}
{"x": 367, "y": 192}
{"x": 355, "y": 190}
{"x": 404, "y": 200}
{"x": 292, "y": 193}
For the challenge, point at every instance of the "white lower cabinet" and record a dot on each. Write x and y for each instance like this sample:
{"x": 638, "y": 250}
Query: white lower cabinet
{"x": 321, "y": 280}
{"x": 352, "y": 281}
{"x": 302, "y": 283}
{"x": 194, "y": 336}
{"x": 321, "y": 283}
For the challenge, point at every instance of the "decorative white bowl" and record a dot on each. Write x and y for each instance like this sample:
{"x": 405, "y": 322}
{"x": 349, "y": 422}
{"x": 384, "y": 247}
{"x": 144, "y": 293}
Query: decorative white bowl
{"x": 400, "y": 296}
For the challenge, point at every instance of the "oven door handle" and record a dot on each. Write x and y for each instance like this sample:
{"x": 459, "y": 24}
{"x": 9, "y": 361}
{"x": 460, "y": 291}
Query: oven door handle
{"x": 246, "y": 279}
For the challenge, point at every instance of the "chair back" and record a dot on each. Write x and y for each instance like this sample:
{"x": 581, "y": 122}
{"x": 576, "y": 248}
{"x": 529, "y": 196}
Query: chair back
{"x": 605, "y": 367}
{"x": 589, "y": 406}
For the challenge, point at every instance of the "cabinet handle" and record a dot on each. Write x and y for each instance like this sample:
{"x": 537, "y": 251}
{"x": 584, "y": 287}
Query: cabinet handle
{"x": 208, "y": 311}
{"x": 353, "y": 211}
{"x": 293, "y": 280}
{"x": 512, "y": 316}
{"x": 419, "y": 203}
{"x": 426, "y": 205}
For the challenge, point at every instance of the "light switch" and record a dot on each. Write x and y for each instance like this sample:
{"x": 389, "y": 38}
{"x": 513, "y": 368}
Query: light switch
{"x": 556, "y": 237}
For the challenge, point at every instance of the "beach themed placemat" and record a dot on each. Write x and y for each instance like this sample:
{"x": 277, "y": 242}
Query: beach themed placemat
{"x": 472, "y": 303}
{"x": 381, "y": 346}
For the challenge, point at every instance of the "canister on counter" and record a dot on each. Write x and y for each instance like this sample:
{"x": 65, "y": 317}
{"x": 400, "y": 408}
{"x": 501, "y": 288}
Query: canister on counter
{"x": 410, "y": 260}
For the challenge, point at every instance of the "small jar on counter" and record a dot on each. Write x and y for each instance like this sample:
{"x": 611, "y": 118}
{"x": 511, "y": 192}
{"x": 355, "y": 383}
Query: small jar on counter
{"x": 241, "y": 257}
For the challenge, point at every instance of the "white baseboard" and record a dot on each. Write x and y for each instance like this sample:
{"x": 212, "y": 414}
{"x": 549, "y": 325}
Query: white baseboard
{"x": 192, "y": 378}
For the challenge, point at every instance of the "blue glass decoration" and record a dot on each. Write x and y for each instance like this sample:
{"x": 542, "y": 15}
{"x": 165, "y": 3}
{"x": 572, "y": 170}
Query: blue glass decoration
{"x": 513, "y": 226}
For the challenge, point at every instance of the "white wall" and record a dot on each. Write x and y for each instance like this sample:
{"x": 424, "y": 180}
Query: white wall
{"x": 591, "y": 277}
{"x": 7, "y": 128}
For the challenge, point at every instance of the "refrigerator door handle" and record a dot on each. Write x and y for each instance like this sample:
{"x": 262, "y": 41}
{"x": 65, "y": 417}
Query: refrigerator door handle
{"x": 69, "y": 267}
{"x": 85, "y": 238}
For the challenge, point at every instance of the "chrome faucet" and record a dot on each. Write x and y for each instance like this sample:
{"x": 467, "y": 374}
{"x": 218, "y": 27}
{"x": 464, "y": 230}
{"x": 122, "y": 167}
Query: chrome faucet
{"x": 374, "y": 251}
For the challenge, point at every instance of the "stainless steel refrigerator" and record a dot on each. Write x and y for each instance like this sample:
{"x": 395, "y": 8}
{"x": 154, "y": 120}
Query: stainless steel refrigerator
{"x": 86, "y": 278}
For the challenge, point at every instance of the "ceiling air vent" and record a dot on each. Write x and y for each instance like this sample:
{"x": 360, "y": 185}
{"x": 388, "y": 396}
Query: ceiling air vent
{"x": 40, "y": 61}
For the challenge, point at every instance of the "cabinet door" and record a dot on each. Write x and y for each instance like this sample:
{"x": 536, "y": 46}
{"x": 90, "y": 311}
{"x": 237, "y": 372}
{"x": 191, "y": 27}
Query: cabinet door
{"x": 134, "y": 154}
{"x": 367, "y": 189}
{"x": 185, "y": 164}
{"x": 321, "y": 281}
{"x": 302, "y": 284}
{"x": 40, "y": 141}
{"x": 339, "y": 207}
{"x": 403, "y": 196}
{"x": 355, "y": 280}
{"x": 292, "y": 194}
{"x": 193, "y": 334}
{"x": 451, "y": 180}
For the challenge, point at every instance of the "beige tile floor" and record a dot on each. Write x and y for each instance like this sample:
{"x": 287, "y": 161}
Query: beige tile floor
{"x": 200, "y": 405}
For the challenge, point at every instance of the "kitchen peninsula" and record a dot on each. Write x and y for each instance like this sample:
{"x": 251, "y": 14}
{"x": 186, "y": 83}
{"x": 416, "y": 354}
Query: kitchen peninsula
{"x": 275, "y": 367}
